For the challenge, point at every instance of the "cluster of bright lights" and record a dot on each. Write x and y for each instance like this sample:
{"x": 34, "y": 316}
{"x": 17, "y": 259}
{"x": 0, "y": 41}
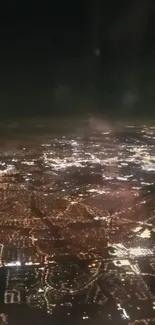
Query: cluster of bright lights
{"x": 10, "y": 170}
{"x": 122, "y": 251}
{"x": 146, "y": 321}
{"x": 3, "y": 319}
{"x": 123, "y": 312}
{"x": 18, "y": 263}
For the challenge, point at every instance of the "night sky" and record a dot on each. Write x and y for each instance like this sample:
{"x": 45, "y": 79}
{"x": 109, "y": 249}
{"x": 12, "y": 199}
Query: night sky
{"x": 76, "y": 45}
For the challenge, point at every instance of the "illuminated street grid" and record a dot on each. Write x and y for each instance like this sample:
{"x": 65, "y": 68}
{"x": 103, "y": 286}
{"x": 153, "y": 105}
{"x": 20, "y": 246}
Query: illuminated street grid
{"x": 78, "y": 223}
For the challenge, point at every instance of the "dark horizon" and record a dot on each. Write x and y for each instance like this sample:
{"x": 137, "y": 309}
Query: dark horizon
{"x": 95, "y": 50}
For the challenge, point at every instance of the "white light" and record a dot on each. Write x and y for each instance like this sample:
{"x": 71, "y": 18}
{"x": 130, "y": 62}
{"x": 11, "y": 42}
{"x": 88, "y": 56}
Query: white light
{"x": 28, "y": 263}
{"x": 13, "y": 263}
{"x": 122, "y": 263}
{"x": 145, "y": 234}
{"x": 85, "y": 317}
{"x": 137, "y": 229}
